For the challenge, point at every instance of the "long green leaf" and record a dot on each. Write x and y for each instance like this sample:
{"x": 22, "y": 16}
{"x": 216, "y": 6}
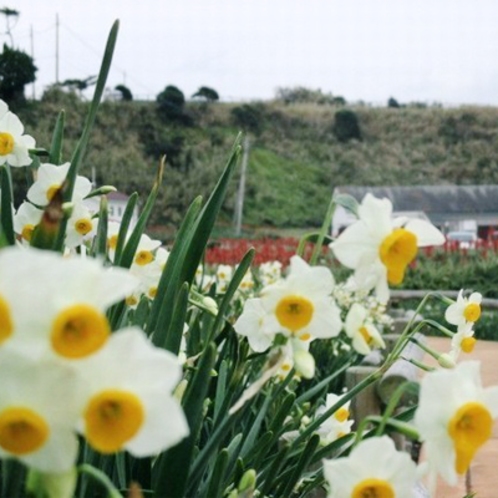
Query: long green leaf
{"x": 171, "y": 471}
{"x": 80, "y": 149}
{"x": 55, "y": 156}
{"x": 6, "y": 205}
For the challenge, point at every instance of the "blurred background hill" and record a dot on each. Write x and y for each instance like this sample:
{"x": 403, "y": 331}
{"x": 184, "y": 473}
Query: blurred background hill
{"x": 302, "y": 144}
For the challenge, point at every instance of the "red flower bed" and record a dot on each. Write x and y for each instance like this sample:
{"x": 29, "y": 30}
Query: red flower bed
{"x": 231, "y": 251}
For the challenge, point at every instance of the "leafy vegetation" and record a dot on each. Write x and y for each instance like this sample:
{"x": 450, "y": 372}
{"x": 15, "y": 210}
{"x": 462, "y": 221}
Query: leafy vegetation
{"x": 295, "y": 159}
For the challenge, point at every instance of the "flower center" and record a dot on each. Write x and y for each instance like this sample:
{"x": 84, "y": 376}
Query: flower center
{"x": 51, "y": 191}
{"x": 83, "y": 226}
{"x": 22, "y": 430}
{"x": 468, "y": 344}
{"x": 294, "y": 312}
{"x": 6, "y": 325}
{"x": 112, "y": 418}
{"x": 342, "y": 414}
{"x": 131, "y": 301}
{"x": 143, "y": 258}
{"x": 366, "y": 335}
{"x": 112, "y": 242}
{"x": 6, "y": 143}
{"x": 469, "y": 428}
{"x": 27, "y": 231}
{"x": 79, "y": 331}
{"x": 373, "y": 488}
{"x": 397, "y": 251}
{"x": 472, "y": 312}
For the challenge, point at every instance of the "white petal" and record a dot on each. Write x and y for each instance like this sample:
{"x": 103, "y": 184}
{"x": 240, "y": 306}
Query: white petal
{"x": 427, "y": 234}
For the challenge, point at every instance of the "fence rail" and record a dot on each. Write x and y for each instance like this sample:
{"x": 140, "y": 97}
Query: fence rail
{"x": 402, "y": 295}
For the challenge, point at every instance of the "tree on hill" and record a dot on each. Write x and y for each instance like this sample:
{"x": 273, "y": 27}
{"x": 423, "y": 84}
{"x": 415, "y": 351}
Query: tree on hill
{"x": 16, "y": 71}
{"x": 125, "y": 92}
{"x": 79, "y": 85}
{"x": 206, "y": 93}
{"x": 170, "y": 104}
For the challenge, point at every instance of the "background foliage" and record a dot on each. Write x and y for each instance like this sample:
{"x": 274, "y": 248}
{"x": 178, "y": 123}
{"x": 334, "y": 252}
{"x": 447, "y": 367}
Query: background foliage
{"x": 295, "y": 157}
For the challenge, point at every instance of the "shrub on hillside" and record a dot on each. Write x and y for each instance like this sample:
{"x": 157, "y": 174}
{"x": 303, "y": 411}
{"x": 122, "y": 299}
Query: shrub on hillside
{"x": 346, "y": 126}
{"x": 248, "y": 117}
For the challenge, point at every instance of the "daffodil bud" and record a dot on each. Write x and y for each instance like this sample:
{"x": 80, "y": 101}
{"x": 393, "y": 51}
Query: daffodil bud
{"x": 304, "y": 363}
{"x": 446, "y": 361}
{"x": 211, "y": 305}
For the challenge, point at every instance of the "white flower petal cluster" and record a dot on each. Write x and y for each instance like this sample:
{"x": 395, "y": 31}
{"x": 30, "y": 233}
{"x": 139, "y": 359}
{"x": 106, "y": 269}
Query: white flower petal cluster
{"x": 373, "y": 468}
{"x": 379, "y": 248}
{"x": 299, "y": 307}
{"x": 55, "y": 344}
{"x": 338, "y": 424}
{"x": 14, "y": 145}
{"x": 455, "y": 418}
{"x": 464, "y": 310}
{"x": 361, "y": 330}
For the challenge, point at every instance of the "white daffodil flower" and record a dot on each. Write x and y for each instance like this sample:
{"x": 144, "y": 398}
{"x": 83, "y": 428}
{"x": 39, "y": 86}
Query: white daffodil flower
{"x": 378, "y": 248}
{"x": 301, "y": 306}
{"x": 373, "y": 468}
{"x": 298, "y": 307}
{"x": 81, "y": 226}
{"x": 363, "y": 333}
{"x": 14, "y": 145}
{"x": 270, "y": 272}
{"x": 49, "y": 303}
{"x": 463, "y": 340}
{"x": 129, "y": 404}
{"x": 36, "y": 428}
{"x": 26, "y": 219}
{"x": 464, "y": 310}
{"x": 455, "y": 418}
{"x": 338, "y": 424}
{"x": 223, "y": 276}
{"x": 50, "y": 178}
{"x": 145, "y": 253}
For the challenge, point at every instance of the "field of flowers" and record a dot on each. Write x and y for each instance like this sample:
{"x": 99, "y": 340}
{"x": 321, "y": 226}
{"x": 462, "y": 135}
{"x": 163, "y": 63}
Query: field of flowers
{"x": 208, "y": 369}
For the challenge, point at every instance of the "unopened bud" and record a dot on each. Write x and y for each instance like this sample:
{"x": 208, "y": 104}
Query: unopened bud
{"x": 446, "y": 361}
{"x": 304, "y": 363}
{"x": 247, "y": 481}
{"x": 211, "y": 305}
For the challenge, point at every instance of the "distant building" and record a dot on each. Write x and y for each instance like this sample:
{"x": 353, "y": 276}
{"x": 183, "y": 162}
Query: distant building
{"x": 117, "y": 202}
{"x": 449, "y": 207}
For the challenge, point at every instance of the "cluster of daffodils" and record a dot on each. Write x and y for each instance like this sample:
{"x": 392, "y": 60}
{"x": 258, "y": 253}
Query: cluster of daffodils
{"x": 464, "y": 314}
{"x": 81, "y": 224}
{"x": 56, "y": 344}
{"x": 454, "y": 419}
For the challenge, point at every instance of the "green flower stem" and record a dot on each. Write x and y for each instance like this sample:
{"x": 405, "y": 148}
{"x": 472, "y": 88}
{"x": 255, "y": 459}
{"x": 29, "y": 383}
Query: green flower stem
{"x": 101, "y": 478}
{"x": 327, "y": 223}
{"x": 373, "y": 377}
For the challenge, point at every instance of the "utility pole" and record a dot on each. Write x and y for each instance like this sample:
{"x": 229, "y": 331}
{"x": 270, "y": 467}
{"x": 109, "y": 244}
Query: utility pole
{"x": 57, "y": 48}
{"x": 242, "y": 186}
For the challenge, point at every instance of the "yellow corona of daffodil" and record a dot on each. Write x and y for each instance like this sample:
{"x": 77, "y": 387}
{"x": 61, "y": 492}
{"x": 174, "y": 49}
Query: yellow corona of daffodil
{"x": 380, "y": 248}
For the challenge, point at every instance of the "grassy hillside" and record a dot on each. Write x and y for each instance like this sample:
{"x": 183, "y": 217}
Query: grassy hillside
{"x": 295, "y": 156}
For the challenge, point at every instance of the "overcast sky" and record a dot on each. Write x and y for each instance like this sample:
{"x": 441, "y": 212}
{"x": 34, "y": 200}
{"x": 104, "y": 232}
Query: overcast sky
{"x": 413, "y": 50}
